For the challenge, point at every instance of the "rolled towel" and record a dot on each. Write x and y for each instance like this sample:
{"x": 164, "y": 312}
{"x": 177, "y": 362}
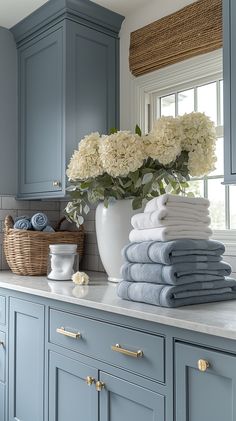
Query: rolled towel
{"x": 177, "y": 296}
{"x": 22, "y": 224}
{"x": 171, "y": 200}
{"x": 170, "y": 233}
{"x": 39, "y": 221}
{"x": 22, "y": 217}
{"x": 48, "y": 228}
{"x": 176, "y": 251}
{"x": 158, "y": 219}
{"x": 175, "y": 274}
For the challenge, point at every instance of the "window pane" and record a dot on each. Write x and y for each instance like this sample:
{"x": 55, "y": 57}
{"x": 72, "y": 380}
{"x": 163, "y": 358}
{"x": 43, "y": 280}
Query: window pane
{"x": 220, "y": 158}
{"x": 221, "y": 104}
{"x": 168, "y": 105}
{"x": 196, "y": 187}
{"x": 232, "y": 198}
{"x": 186, "y": 102}
{"x": 216, "y": 195}
{"x": 206, "y": 100}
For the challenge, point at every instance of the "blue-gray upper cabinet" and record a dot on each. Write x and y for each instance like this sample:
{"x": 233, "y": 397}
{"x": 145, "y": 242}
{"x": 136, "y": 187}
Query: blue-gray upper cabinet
{"x": 208, "y": 395}
{"x": 229, "y": 61}
{"x": 122, "y": 400}
{"x": 68, "y": 87}
{"x": 26, "y": 361}
{"x": 41, "y": 93}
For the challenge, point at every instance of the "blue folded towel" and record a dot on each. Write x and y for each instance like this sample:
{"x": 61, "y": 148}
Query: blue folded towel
{"x": 48, "y": 228}
{"x": 175, "y": 251}
{"x": 176, "y": 296}
{"x": 39, "y": 221}
{"x": 176, "y": 274}
{"x": 22, "y": 224}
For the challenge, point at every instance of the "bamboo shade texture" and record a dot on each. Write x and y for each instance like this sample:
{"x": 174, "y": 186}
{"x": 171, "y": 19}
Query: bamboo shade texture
{"x": 195, "y": 29}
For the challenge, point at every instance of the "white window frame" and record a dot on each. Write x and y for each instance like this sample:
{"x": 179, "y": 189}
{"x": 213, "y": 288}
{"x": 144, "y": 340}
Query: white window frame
{"x": 180, "y": 76}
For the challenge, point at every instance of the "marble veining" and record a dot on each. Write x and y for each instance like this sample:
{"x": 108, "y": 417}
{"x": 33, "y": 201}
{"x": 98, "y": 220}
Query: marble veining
{"x": 217, "y": 319}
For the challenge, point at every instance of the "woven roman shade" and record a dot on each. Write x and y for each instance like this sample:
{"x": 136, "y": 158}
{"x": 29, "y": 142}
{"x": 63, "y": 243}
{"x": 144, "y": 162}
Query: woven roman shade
{"x": 195, "y": 29}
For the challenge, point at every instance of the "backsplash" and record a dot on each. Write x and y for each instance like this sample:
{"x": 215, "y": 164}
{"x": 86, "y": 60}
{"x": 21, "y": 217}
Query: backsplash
{"x": 54, "y": 210}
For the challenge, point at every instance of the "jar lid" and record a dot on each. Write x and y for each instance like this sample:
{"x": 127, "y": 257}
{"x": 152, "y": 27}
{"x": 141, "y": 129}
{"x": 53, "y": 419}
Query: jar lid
{"x": 63, "y": 248}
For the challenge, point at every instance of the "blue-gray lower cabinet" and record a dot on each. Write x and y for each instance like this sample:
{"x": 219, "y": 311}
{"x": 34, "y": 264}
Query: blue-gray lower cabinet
{"x": 26, "y": 361}
{"x": 2, "y": 402}
{"x": 122, "y": 400}
{"x": 208, "y": 395}
{"x": 70, "y": 397}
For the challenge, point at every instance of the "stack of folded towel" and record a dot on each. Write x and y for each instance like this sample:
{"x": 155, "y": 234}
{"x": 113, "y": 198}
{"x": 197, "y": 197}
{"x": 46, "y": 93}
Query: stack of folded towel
{"x": 38, "y": 222}
{"x": 170, "y": 260}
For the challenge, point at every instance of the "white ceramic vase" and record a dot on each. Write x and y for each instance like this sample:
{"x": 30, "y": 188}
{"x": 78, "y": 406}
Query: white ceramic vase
{"x": 113, "y": 225}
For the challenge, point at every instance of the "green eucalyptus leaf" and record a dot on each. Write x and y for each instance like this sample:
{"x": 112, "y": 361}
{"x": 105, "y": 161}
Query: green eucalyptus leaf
{"x": 138, "y": 130}
{"x": 147, "y": 178}
{"x": 113, "y": 130}
{"x": 138, "y": 183}
{"x": 137, "y": 203}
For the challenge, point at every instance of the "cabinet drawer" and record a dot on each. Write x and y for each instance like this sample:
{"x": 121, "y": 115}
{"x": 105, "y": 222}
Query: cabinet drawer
{"x": 99, "y": 340}
{"x": 2, "y": 310}
{"x": 2, "y": 356}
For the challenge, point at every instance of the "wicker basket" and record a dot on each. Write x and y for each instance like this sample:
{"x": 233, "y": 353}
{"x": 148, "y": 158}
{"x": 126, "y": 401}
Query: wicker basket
{"x": 27, "y": 251}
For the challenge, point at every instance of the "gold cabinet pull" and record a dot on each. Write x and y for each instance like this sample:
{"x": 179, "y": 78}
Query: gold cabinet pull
{"x": 134, "y": 354}
{"x": 1, "y": 343}
{"x": 64, "y": 332}
{"x": 90, "y": 380}
{"x": 100, "y": 386}
{"x": 203, "y": 365}
{"x": 56, "y": 183}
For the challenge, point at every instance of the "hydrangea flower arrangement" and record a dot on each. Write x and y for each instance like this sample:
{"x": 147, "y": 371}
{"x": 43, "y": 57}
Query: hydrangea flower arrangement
{"x": 124, "y": 165}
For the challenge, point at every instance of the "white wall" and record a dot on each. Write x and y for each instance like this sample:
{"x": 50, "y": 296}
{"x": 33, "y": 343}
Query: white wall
{"x": 151, "y": 11}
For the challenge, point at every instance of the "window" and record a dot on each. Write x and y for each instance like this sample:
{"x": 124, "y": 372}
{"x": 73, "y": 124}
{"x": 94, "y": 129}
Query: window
{"x": 193, "y": 85}
{"x": 208, "y": 98}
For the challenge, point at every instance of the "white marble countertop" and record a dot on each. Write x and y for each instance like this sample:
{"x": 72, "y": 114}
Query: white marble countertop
{"x": 217, "y": 319}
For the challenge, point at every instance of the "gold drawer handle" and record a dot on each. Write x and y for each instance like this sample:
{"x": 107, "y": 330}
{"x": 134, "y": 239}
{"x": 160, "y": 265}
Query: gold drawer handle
{"x": 134, "y": 354}
{"x": 64, "y": 332}
{"x": 90, "y": 380}
{"x": 203, "y": 365}
{"x": 100, "y": 386}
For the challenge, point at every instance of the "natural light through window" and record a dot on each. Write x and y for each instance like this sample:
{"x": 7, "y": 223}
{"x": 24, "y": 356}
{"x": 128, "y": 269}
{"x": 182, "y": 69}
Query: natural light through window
{"x": 208, "y": 98}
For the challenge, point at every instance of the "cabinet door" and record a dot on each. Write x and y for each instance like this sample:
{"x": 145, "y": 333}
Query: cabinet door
{"x": 70, "y": 398}
{"x": 41, "y": 115}
{"x": 26, "y": 361}
{"x": 229, "y": 61}
{"x": 121, "y": 400}
{"x": 2, "y": 402}
{"x": 208, "y": 395}
{"x": 92, "y": 83}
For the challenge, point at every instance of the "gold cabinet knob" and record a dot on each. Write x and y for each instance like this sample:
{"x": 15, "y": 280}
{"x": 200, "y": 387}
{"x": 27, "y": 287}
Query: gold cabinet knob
{"x": 56, "y": 183}
{"x": 1, "y": 343}
{"x": 100, "y": 386}
{"x": 90, "y": 380}
{"x": 203, "y": 365}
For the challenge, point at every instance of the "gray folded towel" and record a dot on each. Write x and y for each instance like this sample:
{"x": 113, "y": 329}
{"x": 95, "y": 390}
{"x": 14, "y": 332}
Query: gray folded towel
{"x": 48, "y": 228}
{"x": 39, "y": 221}
{"x": 175, "y": 251}
{"x": 176, "y": 274}
{"x": 177, "y": 296}
{"x": 22, "y": 224}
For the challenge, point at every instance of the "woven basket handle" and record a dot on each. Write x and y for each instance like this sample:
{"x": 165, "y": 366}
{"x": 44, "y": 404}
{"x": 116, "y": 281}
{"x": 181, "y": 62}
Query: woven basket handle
{"x": 58, "y": 226}
{"x": 9, "y": 223}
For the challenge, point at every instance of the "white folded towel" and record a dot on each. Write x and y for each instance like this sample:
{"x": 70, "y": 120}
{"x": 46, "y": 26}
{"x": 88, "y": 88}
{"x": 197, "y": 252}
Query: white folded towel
{"x": 169, "y": 234}
{"x": 158, "y": 219}
{"x": 174, "y": 201}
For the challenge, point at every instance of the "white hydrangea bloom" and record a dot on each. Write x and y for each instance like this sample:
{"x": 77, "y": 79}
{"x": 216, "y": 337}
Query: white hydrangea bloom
{"x": 199, "y": 139}
{"x": 121, "y": 153}
{"x": 85, "y": 161}
{"x": 163, "y": 143}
